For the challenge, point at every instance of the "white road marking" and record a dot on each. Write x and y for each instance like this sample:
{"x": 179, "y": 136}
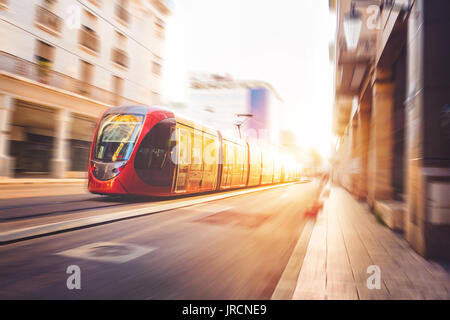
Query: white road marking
{"x": 107, "y": 252}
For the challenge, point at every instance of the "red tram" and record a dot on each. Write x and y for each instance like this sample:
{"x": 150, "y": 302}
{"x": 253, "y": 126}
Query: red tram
{"x": 143, "y": 150}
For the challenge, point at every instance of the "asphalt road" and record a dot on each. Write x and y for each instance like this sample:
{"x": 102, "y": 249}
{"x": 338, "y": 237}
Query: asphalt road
{"x": 234, "y": 248}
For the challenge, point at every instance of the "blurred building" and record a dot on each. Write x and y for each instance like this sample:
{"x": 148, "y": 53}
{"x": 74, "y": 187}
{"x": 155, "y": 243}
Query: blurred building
{"x": 217, "y": 100}
{"x": 288, "y": 139}
{"x": 289, "y": 144}
{"x": 62, "y": 62}
{"x": 391, "y": 113}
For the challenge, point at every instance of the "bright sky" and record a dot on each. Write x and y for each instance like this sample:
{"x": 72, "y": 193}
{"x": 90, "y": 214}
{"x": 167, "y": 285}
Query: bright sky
{"x": 283, "y": 42}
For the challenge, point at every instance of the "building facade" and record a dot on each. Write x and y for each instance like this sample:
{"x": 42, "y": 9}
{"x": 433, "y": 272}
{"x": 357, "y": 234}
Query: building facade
{"x": 219, "y": 100}
{"x": 391, "y": 114}
{"x": 62, "y": 63}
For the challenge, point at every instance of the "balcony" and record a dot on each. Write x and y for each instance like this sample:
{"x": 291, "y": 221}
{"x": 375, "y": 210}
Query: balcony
{"x": 156, "y": 69}
{"x": 122, "y": 14}
{"x": 89, "y": 39}
{"x": 365, "y": 51}
{"x": 120, "y": 57}
{"x": 353, "y": 66}
{"x": 159, "y": 28}
{"x": 45, "y": 75}
{"x": 48, "y": 21}
{"x": 164, "y": 6}
{"x": 96, "y": 3}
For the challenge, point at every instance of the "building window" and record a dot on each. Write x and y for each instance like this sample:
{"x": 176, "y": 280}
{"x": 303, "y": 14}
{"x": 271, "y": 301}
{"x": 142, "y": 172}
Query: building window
{"x": 90, "y": 21}
{"x": 156, "y": 68}
{"x": 44, "y": 53}
{"x": 88, "y": 37}
{"x": 119, "y": 55}
{"x": 97, "y": 3}
{"x": 86, "y": 76}
{"x": 159, "y": 28}
{"x": 50, "y": 4}
{"x": 3, "y": 4}
{"x": 79, "y": 155}
{"x": 121, "y": 40}
{"x": 46, "y": 19}
{"x": 45, "y": 56}
{"x": 122, "y": 11}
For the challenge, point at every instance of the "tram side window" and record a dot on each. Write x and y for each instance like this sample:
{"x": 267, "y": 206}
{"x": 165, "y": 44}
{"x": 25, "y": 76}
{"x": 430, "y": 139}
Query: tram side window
{"x": 210, "y": 153}
{"x": 237, "y": 159}
{"x": 197, "y": 150}
{"x": 226, "y": 163}
{"x": 241, "y": 165}
{"x": 185, "y": 147}
{"x": 224, "y": 156}
{"x": 266, "y": 164}
{"x": 242, "y": 159}
{"x": 230, "y": 156}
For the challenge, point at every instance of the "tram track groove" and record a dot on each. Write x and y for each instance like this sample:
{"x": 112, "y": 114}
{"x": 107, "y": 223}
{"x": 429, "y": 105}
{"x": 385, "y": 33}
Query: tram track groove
{"x": 59, "y": 212}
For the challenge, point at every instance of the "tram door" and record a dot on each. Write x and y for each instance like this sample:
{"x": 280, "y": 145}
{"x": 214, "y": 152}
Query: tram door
{"x": 184, "y": 155}
{"x": 153, "y": 162}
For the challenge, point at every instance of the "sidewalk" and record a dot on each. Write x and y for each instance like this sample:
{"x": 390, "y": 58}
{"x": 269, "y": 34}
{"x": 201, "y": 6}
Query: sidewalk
{"x": 347, "y": 239}
{"x": 11, "y": 188}
{"x": 15, "y": 181}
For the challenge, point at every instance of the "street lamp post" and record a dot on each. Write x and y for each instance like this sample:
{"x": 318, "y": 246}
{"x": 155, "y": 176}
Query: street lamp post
{"x": 238, "y": 124}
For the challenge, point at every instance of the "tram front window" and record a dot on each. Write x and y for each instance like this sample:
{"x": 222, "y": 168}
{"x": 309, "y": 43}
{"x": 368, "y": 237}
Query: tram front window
{"x": 116, "y": 137}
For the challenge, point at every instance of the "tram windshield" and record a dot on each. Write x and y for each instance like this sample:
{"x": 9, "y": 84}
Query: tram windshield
{"x": 117, "y": 135}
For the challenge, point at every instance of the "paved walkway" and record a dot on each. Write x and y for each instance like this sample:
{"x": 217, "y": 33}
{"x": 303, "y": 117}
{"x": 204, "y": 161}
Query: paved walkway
{"x": 15, "y": 181}
{"x": 44, "y": 189}
{"x": 346, "y": 240}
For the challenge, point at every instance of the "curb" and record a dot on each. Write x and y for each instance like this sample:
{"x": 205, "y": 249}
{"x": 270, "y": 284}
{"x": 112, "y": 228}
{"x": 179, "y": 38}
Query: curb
{"x": 288, "y": 281}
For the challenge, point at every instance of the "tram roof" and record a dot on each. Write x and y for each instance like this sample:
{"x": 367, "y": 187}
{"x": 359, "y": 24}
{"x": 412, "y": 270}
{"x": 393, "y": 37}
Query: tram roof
{"x": 196, "y": 124}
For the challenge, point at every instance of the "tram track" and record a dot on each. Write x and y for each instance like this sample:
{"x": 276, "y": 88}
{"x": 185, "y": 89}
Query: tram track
{"x": 19, "y": 216}
{"x": 93, "y": 202}
{"x": 14, "y": 231}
